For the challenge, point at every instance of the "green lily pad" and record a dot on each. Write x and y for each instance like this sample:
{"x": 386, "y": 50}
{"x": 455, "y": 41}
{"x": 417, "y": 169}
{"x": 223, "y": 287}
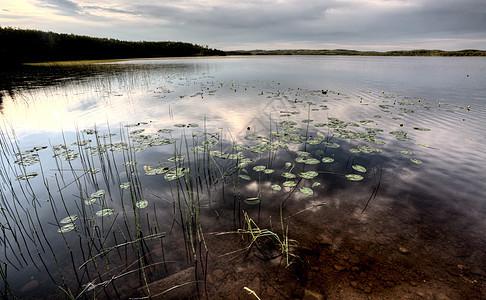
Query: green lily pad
{"x": 327, "y": 159}
{"x": 311, "y": 161}
{"x": 66, "y": 228}
{"x": 105, "y": 212}
{"x": 252, "y": 201}
{"x": 98, "y": 194}
{"x": 303, "y": 153}
{"x": 276, "y": 187}
{"x": 354, "y": 150}
{"x": 125, "y": 185}
{"x": 245, "y": 177}
{"x": 289, "y": 184}
{"x": 259, "y": 168}
{"x": 306, "y": 191}
{"x": 176, "y": 173}
{"x": 177, "y": 158}
{"x": 354, "y": 177}
{"x": 268, "y": 171}
{"x": 27, "y": 176}
{"x": 359, "y": 168}
{"x": 90, "y": 201}
{"x": 141, "y": 204}
{"x": 288, "y": 165}
{"x": 416, "y": 161}
{"x": 288, "y": 175}
{"x": 406, "y": 152}
{"x": 69, "y": 219}
{"x": 309, "y": 174}
{"x": 316, "y": 184}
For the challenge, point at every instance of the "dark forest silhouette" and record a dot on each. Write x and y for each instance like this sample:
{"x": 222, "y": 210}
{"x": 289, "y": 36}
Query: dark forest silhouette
{"x": 22, "y": 45}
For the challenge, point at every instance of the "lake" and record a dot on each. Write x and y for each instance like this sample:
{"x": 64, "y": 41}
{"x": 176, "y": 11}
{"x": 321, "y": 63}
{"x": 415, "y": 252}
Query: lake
{"x": 244, "y": 177}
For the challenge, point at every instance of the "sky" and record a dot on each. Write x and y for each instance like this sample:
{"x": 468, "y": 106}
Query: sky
{"x": 379, "y": 25}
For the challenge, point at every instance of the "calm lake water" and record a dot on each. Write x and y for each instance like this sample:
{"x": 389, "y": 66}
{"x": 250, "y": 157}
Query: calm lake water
{"x": 368, "y": 173}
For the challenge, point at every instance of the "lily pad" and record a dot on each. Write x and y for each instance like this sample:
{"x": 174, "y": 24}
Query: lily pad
{"x": 416, "y": 161}
{"x": 306, "y": 191}
{"x": 311, "y": 161}
{"x": 354, "y": 177}
{"x": 125, "y": 185}
{"x": 289, "y": 184}
{"x": 268, "y": 171}
{"x": 69, "y": 219}
{"x": 141, "y": 204}
{"x": 316, "y": 184}
{"x": 259, "y": 168}
{"x": 90, "y": 201}
{"x": 359, "y": 168}
{"x": 245, "y": 177}
{"x": 105, "y": 212}
{"x": 309, "y": 174}
{"x": 98, "y": 194}
{"x": 288, "y": 175}
{"x": 327, "y": 159}
{"x": 406, "y": 152}
{"x": 252, "y": 201}
{"x": 66, "y": 228}
{"x": 276, "y": 187}
{"x": 176, "y": 173}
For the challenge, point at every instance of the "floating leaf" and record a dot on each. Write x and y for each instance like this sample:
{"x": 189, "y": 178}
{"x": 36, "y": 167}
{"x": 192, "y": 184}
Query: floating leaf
{"x": 316, "y": 184}
{"x": 327, "y": 160}
{"x": 125, "y": 185}
{"x": 288, "y": 165}
{"x": 406, "y": 152}
{"x": 354, "y": 177}
{"x": 268, "y": 171}
{"x": 66, "y": 228}
{"x": 289, "y": 184}
{"x": 259, "y": 168}
{"x": 98, "y": 194}
{"x": 245, "y": 177}
{"x": 311, "y": 161}
{"x": 359, "y": 168}
{"x": 421, "y": 129}
{"x": 416, "y": 161}
{"x": 90, "y": 201}
{"x": 176, "y": 173}
{"x": 306, "y": 191}
{"x": 302, "y": 153}
{"x": 69, "y": 219}
{"x": 27, "y": 176}
{"x": 105, "y": 212}
{"x": 288, "y": 175}
{"x": 177, "y": 158}
{"x": 141, "y": 204}
{"x": 252, "y": 201}
{"x": 308, "y": 174}
{"x": 276, "y": 187}
{"x": 94, "y": 170}
{"x": 354, "y": 150}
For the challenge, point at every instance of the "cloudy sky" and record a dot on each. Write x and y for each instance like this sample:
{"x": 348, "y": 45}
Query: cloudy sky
{"x": 264, "y": 24}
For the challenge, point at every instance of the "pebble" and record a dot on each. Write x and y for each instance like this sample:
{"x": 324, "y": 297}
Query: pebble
{"x": 403, "y": 250}
{"x": 311, "y": 295}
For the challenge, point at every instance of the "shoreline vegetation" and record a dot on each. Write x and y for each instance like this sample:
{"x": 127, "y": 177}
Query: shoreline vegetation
{"x": 21, "y": 46}
{"x": 418, "y": 52}
{"x": 18, "y": 46}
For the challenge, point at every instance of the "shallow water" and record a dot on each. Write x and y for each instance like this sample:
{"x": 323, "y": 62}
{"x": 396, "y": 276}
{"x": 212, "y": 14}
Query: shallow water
{"x": 406, "y": 229}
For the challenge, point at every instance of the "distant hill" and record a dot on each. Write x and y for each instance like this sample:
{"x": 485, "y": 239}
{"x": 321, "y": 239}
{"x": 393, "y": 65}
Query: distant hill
{"x": 420, "y": 52}
{"x": 21, "y": 45}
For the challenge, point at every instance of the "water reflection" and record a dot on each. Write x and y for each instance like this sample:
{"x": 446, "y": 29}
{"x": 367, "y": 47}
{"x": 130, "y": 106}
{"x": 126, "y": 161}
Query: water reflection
{"x": 142, "y": 116}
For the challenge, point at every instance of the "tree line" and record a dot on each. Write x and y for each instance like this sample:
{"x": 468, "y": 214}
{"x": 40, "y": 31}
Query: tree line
{"x": 420, "y": 52}
{"x": 23, "y": 45}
